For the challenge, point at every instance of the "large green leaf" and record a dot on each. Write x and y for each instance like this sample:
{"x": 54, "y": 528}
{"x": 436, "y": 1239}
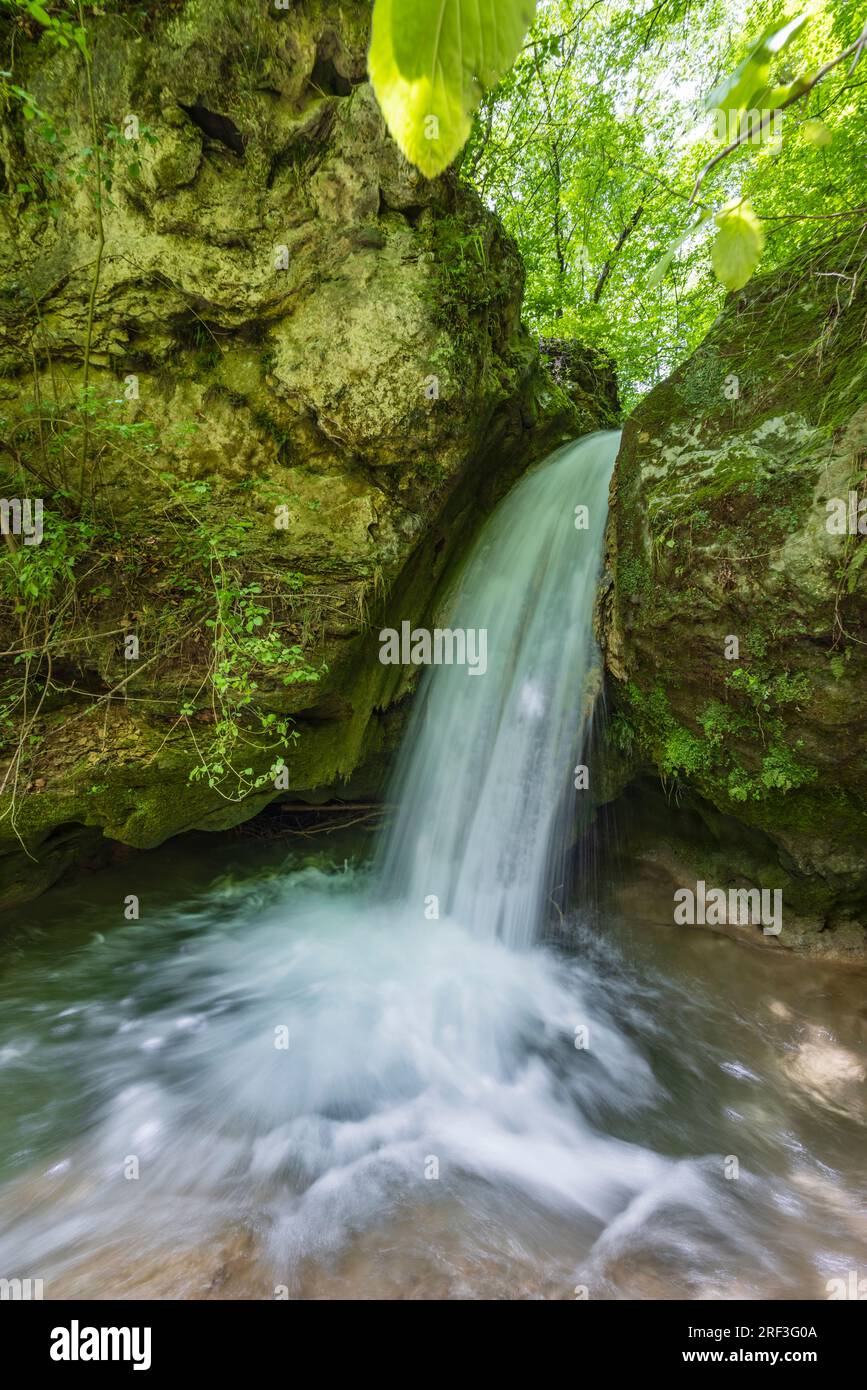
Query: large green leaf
{"x": 774, "y": 97}
{"x": 738, "y": 245}
{"x": 744, "y": 89}
{"x": 431, "y": 61}
{"x": 817, "y": 133}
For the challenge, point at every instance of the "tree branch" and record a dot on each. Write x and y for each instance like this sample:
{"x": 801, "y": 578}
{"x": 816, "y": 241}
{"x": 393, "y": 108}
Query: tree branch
{"x": 752, "y": 131}
{"x": 621, "y": 240}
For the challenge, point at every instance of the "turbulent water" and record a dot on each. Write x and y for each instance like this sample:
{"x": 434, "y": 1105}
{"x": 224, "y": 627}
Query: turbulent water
{"x": 401, "y": 1081}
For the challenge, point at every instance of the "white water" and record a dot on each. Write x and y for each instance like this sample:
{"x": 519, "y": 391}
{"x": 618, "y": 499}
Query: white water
{"x": 431, "y": 1107}
{"x": 486, "y": 781}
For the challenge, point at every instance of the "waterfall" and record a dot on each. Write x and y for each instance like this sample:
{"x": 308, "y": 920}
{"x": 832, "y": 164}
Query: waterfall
{"x": 310, "y": 1054}
{"x": 320, "y": 1086}
{"x": 484, "y": 782}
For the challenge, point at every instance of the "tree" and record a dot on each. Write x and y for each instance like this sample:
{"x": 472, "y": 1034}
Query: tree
{"x": 622, "y": 132}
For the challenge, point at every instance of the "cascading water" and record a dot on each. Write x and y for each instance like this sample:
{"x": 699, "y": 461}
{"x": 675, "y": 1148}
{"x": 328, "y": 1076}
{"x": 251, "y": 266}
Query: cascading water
{"x": 489, "y": 758}
{"x": 304, "y": 1080}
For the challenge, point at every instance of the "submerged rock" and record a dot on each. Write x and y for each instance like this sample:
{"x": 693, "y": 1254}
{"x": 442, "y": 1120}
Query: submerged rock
{"x": 735, "y": 627}
{"x": 308, "y": 383}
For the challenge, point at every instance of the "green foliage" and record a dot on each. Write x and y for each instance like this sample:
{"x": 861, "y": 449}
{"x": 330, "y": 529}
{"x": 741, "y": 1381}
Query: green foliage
{"x": 718, "y": 723}
{"x": 746, "y": 89}
{"x": 712, "y": 760}
{"x": 431, "y": 61}
{"x": 591, "y": 146}
{"x": 621, "y": 733}
{"x": 37, "y": 574}
{"x": 65, "y": 596}
{"x": 682, "y": 752}
{"x": 247, "y": 645}
{"x": 780, "y": 771}
{"x": 750, "y": 97}
{"x": 674, "y": 748}
{"x": 235, "y": 627}
{"x": 62, "y": 29}
{"x": 766, "y": 694}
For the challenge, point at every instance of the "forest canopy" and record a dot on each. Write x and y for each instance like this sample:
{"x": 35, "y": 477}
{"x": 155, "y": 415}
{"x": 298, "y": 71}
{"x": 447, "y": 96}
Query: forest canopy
{"x": 645, "y": 156}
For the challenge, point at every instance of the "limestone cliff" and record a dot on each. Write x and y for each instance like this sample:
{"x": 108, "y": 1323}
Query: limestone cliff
{"x": 265, "y": 380}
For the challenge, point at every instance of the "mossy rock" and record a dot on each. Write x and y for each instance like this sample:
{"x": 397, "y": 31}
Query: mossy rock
{"x": 279, "y": 292}
{"x": 734, "y": 627}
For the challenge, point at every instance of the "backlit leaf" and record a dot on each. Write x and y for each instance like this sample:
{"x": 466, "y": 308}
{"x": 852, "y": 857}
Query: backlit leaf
{"x": 749, "y": 81}
{"x": 431, "y": 61}
{"x": 817, "y": 132}
{"x": 738, "y": 245}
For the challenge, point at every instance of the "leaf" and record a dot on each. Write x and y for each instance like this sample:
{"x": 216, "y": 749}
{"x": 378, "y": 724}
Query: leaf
{"x": 38, "y": 13}
{"x": 738, "y": 245}
{"x": 427, "y": 120}
{"x": 660, "y": 270}
{"x": 431, "y": 61}
{"x": 817, "y": 133}
{"x": 774, "y": 97}
{"x": 749, "y": 80}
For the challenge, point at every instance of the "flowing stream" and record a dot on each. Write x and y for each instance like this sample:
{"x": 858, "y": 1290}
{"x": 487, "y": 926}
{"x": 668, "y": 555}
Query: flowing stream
{"x": 421, "y": 1074}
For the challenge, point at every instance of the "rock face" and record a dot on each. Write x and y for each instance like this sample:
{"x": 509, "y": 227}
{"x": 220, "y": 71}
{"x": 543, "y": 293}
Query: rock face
{"x": 266, "y": 384}
{"x": 735, "y": 628}
{"x": 588, "y": 378}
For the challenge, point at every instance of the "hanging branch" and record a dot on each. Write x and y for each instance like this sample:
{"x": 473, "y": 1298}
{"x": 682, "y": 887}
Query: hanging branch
{"x": 751, "y": 132}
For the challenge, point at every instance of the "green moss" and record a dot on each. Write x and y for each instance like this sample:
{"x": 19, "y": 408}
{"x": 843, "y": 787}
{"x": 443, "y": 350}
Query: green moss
{"x": 711, "y": 758}
{"x": 710, "y": 384}
{"x": 633, "y": 576}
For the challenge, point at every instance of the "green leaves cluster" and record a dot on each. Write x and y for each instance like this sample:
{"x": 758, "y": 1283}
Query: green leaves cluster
{"x": 64, "y": 31}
